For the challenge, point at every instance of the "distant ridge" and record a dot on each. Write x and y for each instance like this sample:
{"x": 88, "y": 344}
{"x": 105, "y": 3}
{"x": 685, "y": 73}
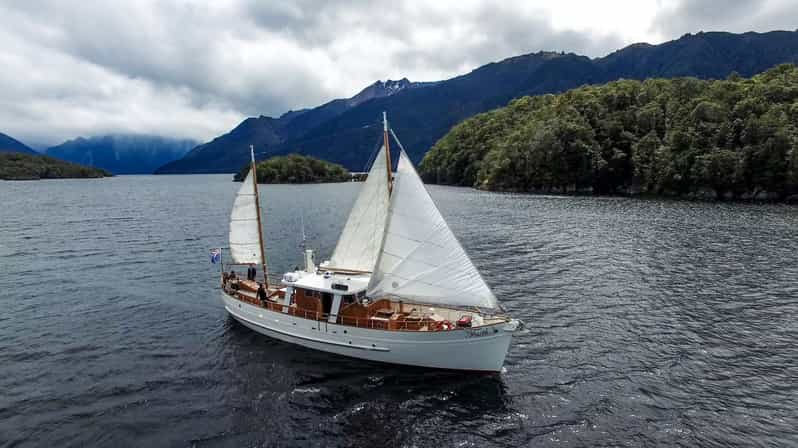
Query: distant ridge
{"x": 230, "y": 151}
{"x": 346, "y": 131}
{"x": 733, "y": 138}
{"x": 123, "y": 153}
{"x": 10, "y": 144}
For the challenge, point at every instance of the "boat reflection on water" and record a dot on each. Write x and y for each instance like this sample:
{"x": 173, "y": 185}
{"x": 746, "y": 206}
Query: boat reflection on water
{"x": 275, "y": 388}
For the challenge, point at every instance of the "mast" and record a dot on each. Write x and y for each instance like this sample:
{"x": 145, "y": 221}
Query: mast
{"x": 387, "y": 151}
{"x": 260, "y": 226}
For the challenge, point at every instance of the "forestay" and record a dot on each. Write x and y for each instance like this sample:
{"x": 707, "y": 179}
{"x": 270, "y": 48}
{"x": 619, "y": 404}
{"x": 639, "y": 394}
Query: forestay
{"x": 421, "y": 258}
{"x": 359, "y": 245}
{"x": 244, "y": 238}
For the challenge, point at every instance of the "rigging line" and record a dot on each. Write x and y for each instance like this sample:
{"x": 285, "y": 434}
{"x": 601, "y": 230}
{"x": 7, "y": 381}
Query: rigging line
{"x": 375, "y": 150}
{"x": 302, "y": 225}
{"x": 397, "y": 141}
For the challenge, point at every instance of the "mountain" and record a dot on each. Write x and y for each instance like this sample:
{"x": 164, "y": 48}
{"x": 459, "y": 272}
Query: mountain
{"x": 228, "y": 152}
{"x": 347, "y": 132}
{"x": 712, "y": 55}
{"x": 123, "y": 154}
{"x": 421, "y": 116}
{"x": 379, "y": 90}
{"x": 9, "y": 144}
{"x": 733, "y": 138}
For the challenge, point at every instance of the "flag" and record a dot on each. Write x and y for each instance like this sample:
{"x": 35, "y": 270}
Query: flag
{"x": 216, "y": 255}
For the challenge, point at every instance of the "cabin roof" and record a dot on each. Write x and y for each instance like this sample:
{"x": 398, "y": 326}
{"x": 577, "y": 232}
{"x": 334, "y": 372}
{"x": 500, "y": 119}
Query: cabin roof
{"x": 318, "y": 282}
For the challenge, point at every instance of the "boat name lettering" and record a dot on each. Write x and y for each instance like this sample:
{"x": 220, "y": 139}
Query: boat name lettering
{"x": 478, "y": 332}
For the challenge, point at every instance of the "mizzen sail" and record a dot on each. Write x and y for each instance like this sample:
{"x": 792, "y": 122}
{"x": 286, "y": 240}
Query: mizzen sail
{"x": 244, "y": 231}
{"x": 359, "y": 245}
{"x": 421, "y": 258}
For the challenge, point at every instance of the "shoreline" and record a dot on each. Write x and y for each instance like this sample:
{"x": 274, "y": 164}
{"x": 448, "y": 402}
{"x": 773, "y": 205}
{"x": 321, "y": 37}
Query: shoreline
{"x": 789, "y": 200}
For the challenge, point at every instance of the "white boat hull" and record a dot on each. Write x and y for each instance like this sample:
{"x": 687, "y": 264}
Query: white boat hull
{"x": 477, "y": 349}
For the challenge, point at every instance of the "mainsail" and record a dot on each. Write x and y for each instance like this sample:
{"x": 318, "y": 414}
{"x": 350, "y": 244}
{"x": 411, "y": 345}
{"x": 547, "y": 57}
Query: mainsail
{"x": 421, "y": 258}
{"x": 359, "y": 245}
{"x": 244, "y": 231}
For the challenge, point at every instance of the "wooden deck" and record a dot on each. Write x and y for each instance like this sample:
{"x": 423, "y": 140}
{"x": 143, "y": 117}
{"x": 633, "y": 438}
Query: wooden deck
{"x": 382, "y": 314}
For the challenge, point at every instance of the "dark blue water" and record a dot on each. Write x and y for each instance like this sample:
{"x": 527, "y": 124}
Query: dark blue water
{"x": 648, "y": 323}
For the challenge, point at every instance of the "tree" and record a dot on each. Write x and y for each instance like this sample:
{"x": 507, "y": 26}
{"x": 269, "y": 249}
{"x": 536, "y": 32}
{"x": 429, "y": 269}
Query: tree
{"x": 644, "y": 159}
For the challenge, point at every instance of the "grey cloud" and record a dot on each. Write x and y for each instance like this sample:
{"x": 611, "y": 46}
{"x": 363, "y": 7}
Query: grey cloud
{"x": 290, "y": 16}
{"x": 726, "y": 15}
{"x": 178, "y": 45}
{"x": 171, "y": 49}
{"x": 317, "y": 23}
{"x": 505, "y": 33}
{"x": 242, "y": 58}
{"x": 193, "y": 69}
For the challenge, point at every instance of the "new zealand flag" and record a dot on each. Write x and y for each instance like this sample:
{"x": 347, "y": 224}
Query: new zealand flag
{"x": 216, "y": 255}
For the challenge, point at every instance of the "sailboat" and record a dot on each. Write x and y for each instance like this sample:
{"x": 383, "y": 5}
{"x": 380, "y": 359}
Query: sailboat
{"x": 399, "y": 288}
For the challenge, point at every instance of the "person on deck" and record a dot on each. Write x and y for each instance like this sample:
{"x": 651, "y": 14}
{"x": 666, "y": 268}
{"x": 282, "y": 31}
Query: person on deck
{"x": 251, "y": 272}
{"x": 233, "y": 280}
{"x": 262, "y": 294}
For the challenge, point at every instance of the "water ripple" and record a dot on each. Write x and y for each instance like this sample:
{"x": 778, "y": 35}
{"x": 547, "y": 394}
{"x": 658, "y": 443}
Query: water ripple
{"x": 647, "y": 323}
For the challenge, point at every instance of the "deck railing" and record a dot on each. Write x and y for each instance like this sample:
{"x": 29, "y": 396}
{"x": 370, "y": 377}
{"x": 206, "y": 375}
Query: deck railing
{"x": 371, "y": 322}
{"x": 274, "y": 282}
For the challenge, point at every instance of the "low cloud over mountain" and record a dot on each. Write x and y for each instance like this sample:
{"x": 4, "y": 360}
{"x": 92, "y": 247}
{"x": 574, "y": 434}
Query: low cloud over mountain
{"x": 194, "y": 69}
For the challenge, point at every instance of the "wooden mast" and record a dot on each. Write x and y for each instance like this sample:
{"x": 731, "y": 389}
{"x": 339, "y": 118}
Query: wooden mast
{"x": 260, "y": 226}
{"x": 387, "y": 151}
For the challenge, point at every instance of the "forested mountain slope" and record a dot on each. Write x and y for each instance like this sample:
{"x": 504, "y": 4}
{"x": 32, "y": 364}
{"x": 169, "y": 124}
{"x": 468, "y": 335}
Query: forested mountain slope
{"x": 347, "y": 132}
{"x": 732, "y": 138}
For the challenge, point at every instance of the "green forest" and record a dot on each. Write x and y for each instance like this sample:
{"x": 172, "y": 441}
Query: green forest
{"x": 296, "y": 169}
{"x": 19, "y": 166}
{"x": 722, "y": 139}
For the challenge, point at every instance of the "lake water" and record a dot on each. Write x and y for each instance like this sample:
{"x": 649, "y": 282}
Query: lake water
{"x": 647, "y": 323}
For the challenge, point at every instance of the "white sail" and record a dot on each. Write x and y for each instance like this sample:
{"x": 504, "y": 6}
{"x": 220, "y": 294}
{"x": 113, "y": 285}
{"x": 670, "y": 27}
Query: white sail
{"x": 244, "y": 238}
{"x": 421, "y": 258}
{"x": 359, "y": 244}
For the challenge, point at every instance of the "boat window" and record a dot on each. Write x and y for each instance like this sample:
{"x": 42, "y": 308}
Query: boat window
{"x": 347, "y": 299}
{"x": 326, "y": 302}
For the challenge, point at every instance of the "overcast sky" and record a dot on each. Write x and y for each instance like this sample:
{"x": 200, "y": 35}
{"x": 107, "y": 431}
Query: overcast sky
{"x": 196, "y": 68}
